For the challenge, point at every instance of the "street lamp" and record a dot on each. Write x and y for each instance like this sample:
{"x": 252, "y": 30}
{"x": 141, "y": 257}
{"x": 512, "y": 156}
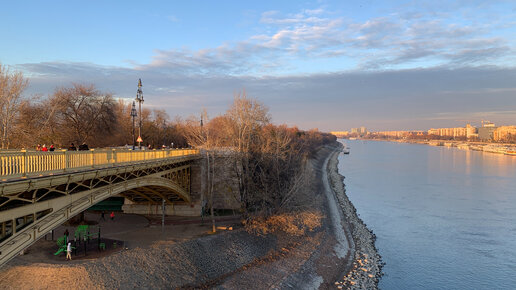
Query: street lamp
{"x": 133, "y": 115}
{"x": 164, "y": 132}
{"x": 201, "y": 124}
{"x": 139, "y": 99}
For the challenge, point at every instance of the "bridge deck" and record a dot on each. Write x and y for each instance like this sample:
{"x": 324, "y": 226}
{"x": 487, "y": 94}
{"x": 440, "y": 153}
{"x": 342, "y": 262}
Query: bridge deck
{"x": 26, "y": 164}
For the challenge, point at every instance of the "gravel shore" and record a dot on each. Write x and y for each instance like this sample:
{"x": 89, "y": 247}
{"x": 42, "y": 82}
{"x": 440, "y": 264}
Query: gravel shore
{"x": 366, "y": 268}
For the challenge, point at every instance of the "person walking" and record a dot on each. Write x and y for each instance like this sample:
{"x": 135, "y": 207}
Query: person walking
{"x": 38, "y": 148}
{"x": 112, "y": 215}
{"x": 72, "y": 147}
{"x": 69, "y": 251}
{"x": 102, "y": 216}
{"x": 44, "y": 148}
{"x": 52, "y": 148}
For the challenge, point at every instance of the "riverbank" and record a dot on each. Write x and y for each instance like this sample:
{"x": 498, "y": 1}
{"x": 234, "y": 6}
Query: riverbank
{"x": 365, "y": 269}
{"x": 318, "y": 258}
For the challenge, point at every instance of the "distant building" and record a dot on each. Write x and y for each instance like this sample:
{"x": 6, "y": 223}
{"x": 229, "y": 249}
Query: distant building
{"x": 505, "y": 133}
{"x": 471, "y": 132}
{"x": 362, "y": 131}
{"x": 398, "y": 134}
{"x": 467, "y": 132}
{"x": 354, "y": 130}
{"x": 340, "y": 134}
{"x": 487, "y": 124}
{"x": 393, "y": 134}
{"x": 485, "y": 132}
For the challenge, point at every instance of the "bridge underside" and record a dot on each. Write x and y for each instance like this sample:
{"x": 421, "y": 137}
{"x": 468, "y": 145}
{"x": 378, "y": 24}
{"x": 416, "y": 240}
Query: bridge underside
{"x": 152, "y": 195}
{"x": 31, "y": 208}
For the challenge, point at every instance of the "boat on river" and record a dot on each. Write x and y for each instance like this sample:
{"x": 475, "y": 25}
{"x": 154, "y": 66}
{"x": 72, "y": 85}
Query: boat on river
{"x": 345, "y": 150}
{"x": 511, "y": 151}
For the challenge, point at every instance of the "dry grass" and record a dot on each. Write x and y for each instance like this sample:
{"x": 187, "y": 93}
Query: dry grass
{"x": 296, "y": 223}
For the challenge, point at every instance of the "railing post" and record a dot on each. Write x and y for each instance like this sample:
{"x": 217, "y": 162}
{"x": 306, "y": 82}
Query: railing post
{"x": 66, "y": 160}
{"x": 25, "y": 163}
{"x": 92, "y": 158}
{"x": 113, "y": 156}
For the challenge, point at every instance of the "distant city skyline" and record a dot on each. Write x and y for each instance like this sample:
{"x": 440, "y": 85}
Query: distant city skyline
{"x": 478, "y": 124}
{"x": 401, "y": 65}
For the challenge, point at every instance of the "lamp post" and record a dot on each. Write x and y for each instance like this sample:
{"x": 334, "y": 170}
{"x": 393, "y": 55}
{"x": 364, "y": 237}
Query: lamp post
{"x": 164, "y": 132}
{"x": 201, "y": 124}
{"x": 139, "y": 99}
{"x": 133, "y": 115}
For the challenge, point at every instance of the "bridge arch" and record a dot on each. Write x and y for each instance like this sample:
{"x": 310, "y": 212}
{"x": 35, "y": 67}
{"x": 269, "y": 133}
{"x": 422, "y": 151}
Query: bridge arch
{"x": 72, "y": 193}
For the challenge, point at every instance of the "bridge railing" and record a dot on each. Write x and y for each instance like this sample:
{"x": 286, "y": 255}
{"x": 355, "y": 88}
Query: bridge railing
{"x": 15, "y": 164}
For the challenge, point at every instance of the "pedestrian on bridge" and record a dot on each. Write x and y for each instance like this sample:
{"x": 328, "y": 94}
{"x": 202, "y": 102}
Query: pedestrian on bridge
{"x": 72, "y": 147}
{"x": 84, "y": 147}
{"x": 112, "y": 215}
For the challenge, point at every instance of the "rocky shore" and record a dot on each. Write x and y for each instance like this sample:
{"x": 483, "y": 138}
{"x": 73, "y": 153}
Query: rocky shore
{"x": 365, "y": 269}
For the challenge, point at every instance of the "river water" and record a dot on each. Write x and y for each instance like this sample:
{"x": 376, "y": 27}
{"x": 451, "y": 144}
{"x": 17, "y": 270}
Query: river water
{"x": 444, "y": 218}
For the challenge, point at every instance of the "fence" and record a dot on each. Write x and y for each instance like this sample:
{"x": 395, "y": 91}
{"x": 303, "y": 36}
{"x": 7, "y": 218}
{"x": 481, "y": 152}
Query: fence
{"x": 14, "y": 164}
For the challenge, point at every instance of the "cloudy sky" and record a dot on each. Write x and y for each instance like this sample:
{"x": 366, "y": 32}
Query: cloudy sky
{"x": 330, "y": 65}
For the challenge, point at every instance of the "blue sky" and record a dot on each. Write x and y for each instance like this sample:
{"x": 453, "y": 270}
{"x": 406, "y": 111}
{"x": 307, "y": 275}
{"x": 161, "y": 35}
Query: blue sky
{"x": 326, "y": 64}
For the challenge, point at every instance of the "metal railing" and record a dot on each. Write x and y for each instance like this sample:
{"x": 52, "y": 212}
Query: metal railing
{"x": 15, "y": 164}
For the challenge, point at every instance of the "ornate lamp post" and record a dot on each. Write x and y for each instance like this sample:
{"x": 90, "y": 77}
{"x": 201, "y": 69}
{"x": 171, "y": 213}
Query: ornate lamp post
{"x": 133, "y": 115}
{"x": 139, "y": 99}
{"x": 164, "y": 132}
{"x": 201, "y": 124}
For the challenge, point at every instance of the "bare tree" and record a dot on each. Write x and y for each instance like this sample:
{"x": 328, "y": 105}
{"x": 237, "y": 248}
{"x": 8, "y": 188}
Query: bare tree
{"x": 247, "y": 117}
{"x": 35, "y": 124}
{"x": 83, "y": 113}
{"x": 12, "y": 85}
{"x": 203, "y": 137}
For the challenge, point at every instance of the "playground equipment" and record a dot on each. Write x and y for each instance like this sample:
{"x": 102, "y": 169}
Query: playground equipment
{"x": 83, "y": 235}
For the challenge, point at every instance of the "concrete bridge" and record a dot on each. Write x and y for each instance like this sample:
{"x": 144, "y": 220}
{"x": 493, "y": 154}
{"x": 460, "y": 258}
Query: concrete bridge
{"x": 41, "y": 190}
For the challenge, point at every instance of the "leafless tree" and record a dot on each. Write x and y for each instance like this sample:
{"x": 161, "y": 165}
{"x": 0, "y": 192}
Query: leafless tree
{"x": 202, "y": 137}
{"x": 247, "y": 117}
{"x": 83, "y": 113}
{"x": 12, "y": 85}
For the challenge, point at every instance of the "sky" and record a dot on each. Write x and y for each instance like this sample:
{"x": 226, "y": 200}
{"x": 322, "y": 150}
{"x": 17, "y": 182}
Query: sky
{"x": 331, "y": 65}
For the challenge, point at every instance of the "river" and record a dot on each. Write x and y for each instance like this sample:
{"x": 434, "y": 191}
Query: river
{"x": 444, "y": 218}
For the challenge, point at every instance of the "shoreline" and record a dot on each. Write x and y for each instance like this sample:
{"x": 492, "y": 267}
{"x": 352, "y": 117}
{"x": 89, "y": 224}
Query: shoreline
{"x": 365, "y": 270}
{"x": 497, "y": 148}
